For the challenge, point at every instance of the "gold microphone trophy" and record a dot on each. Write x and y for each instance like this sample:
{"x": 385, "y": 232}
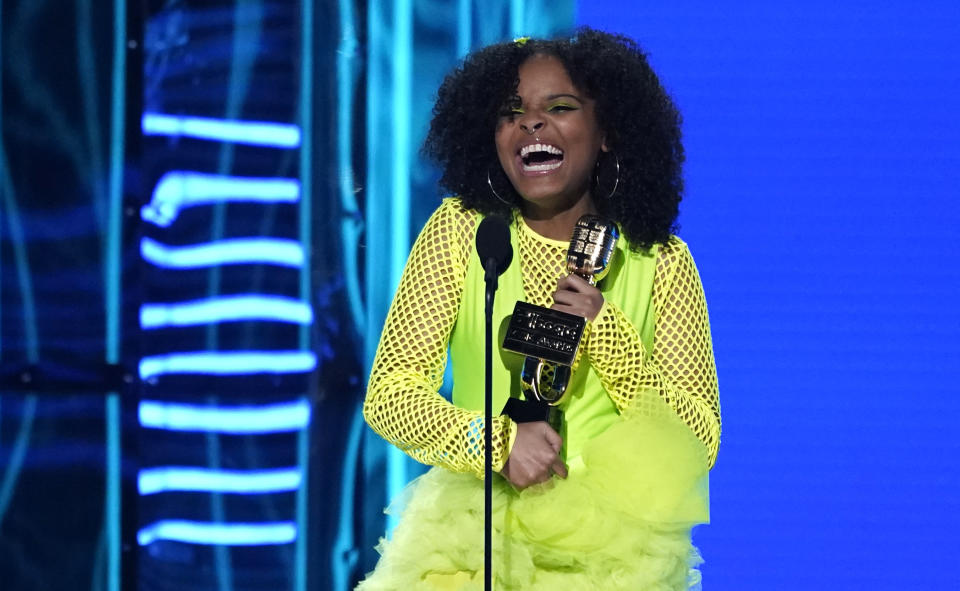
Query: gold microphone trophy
{"x": 550, "y": 338}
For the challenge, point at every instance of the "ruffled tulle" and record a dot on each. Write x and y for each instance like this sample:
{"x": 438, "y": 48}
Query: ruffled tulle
{"x": 621, "y": 520}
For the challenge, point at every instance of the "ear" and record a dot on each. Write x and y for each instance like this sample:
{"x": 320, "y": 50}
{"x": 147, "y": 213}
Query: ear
{"x": 603, "y": 144}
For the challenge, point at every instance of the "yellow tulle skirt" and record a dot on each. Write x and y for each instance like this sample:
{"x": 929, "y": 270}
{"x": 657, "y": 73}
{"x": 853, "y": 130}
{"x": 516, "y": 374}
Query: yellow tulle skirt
{"x": 621, "y": 520}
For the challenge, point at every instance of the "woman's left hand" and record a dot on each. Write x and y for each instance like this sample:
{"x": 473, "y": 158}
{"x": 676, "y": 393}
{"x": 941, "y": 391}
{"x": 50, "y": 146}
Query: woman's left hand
{"x": 575, "y": 296}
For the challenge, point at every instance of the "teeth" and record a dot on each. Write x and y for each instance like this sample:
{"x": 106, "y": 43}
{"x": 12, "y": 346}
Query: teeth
{"x": 541, "y": 167}
{"x": 541, "y": 148}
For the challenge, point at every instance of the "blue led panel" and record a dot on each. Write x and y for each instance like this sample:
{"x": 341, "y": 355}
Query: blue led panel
{"x": 221, "y": 534}
{"x": 252, "y": 419}
{"x": 225, "y": 309}
{"x": 256, "y": 133}
{"x": 178, "y": 189}
{"x": 231, "y": 251}
{"x": 248, "y": 482}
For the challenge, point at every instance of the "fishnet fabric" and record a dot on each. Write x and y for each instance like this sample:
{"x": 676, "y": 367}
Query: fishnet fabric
{"x": 681, "y": 367}
{"x": 403, "y": 404}
{"x": 542, "y": 262}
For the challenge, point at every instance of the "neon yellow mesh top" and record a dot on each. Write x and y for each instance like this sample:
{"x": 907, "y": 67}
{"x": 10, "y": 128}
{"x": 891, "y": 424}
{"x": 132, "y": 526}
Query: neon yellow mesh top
{"x": 403, "y": 404}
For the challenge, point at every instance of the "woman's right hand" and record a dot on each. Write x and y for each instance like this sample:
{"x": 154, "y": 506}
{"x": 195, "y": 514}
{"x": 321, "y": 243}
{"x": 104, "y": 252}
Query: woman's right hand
{"x": 535, "y": 455}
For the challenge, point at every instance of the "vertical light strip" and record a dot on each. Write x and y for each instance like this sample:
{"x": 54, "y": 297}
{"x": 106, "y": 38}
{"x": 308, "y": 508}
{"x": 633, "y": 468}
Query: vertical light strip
{"x": 517, "y": 10}
{"x": 402, "y": 73}
{"x": 378, "y": 210}
{"x": 464, "y": 26}
{"x": 118, "y": 109}
{"x": 306, "y": 240}
{"x": 343, "y": 553}
{"x": 113, "y": 500}
{"x": 351, "y": 224}
{"x": 306, "y": 159}
{"x": 400, "y": 191}
{"x": 377, "y": 206}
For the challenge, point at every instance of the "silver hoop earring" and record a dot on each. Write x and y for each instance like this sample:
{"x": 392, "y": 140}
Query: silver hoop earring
{"x": 494, "y": 191}
{"x": 616, "y": 182}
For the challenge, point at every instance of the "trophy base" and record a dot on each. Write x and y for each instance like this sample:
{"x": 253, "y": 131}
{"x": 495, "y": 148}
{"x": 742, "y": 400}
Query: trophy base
{"x": 528, "y": 411}
{"x": 544, "y": 333}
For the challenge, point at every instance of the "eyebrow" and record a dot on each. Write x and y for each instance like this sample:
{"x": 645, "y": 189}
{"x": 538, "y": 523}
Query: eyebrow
{"x": 556, "y": 96}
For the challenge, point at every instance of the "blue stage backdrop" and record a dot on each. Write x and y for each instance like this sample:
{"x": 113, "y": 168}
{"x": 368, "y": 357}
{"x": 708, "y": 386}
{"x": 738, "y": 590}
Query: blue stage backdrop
{"x": 823, "y": 147}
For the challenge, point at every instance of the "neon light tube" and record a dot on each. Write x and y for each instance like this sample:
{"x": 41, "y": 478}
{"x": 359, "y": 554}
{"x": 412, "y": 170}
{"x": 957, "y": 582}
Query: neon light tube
{"x": 114, "y": 256}
{"x": 235, "y": 420}
{"x": 226, "y": 309}
{"x": 179, "y": 189}
{"x": 175, "y": 478}
{"x": 254, "y": 133}
{"x": 225, "y": 534}
{"x": 235, "y": 251}
{"x": 228, "y": 363}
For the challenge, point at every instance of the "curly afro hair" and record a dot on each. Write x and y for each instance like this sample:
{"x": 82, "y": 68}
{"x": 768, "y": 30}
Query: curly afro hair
{"x": 641, "y": 124}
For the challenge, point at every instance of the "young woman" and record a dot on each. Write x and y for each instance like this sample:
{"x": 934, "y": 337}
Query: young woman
{"x": 543, "y": 132}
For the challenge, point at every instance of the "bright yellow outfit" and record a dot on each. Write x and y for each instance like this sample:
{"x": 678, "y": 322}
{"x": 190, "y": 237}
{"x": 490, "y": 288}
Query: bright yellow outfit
{"x": 645, "y": 385}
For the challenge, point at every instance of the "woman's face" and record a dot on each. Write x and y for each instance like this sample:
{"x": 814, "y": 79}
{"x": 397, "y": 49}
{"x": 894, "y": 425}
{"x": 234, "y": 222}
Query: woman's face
{"x": 547, "y": 138}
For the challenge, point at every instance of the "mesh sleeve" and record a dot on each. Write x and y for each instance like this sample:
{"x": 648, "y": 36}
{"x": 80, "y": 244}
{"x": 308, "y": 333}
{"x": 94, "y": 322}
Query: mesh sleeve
{"x": 403, "y": 404}
{"x": 681, "y": 367}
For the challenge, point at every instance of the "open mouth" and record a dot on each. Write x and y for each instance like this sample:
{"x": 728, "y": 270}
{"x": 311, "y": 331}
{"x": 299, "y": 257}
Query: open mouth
{"x": 540, "y": 158}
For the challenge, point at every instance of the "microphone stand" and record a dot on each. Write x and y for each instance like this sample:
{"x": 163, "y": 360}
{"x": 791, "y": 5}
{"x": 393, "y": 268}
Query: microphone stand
{"x": 490, "y": 278}
{"x": 495, "y": 252}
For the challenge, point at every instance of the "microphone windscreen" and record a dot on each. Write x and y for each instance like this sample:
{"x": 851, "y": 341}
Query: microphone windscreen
{"x": 493, "y": 242}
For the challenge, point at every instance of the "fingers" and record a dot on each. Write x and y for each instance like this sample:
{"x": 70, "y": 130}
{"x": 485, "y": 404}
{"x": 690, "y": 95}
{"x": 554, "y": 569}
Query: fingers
{"x": 552, "y": 464}
{"x": 575, "y": 296}
{"x": 535, "y": 456}
{"x": 559, "y": 468}
{"x": 552, "y": 438}
{"x": 556, "y": 444}
{"x": 566, "y": 298}
{"x": 573, "y": 283}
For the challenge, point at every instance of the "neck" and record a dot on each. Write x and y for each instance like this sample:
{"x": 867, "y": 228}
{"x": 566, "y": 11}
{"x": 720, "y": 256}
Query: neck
{"x": 556, "y": 223}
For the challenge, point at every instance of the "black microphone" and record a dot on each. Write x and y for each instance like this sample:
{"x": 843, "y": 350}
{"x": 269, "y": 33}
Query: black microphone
{"x": 493, "y": 246}
{"x": 495, "y": 251}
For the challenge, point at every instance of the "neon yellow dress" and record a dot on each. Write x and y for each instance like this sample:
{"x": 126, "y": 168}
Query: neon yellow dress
{"x": 641, "y": 426}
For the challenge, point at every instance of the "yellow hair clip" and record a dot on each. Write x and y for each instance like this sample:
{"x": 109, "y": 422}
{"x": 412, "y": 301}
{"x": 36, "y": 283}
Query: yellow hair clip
{"x": 521, "y": 41}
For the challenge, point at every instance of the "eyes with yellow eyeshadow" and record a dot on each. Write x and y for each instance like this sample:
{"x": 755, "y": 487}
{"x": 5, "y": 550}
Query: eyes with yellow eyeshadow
{"x": 513, "y": 108}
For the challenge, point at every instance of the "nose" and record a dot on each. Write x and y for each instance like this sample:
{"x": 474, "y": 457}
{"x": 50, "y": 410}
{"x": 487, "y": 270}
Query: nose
{"x": 531, "y": 125}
